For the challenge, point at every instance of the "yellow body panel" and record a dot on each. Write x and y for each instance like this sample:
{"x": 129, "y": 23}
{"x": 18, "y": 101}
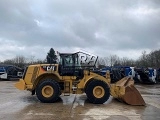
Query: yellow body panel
{"x": 89, "y": 76}
{"x": 35, "y": 73}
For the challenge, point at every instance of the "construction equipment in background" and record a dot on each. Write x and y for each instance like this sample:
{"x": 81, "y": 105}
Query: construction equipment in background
{"x": 9, "y": 72}
{"x": 140, "y": 75}
{"x": 118, "y": 72}
{"x": 74, "y": 74}
{"x": 158, "y": 75}
{"x": 115, "y": 73}
{"x": 3, "y": 73}
{"x": 146, "y": 75}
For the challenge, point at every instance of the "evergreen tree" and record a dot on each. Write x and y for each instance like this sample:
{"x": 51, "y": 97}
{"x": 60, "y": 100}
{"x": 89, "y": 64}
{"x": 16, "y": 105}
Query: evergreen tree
{"x": 51, "y": 56}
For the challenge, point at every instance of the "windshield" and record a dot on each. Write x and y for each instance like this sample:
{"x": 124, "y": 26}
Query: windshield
{"x": 78, "y": 59}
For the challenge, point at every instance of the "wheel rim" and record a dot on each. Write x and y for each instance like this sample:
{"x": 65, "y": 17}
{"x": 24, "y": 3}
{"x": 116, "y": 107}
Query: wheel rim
{"x": 47, "y": 91}
{"x": 98, "y": 92}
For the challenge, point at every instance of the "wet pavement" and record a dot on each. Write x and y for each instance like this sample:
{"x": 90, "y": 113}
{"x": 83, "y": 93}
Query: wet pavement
{"x": 21, "y": 105}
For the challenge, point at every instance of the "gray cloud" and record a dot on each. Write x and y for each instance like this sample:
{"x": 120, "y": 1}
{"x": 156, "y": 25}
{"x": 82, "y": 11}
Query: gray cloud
{"x": 125, "y": 28}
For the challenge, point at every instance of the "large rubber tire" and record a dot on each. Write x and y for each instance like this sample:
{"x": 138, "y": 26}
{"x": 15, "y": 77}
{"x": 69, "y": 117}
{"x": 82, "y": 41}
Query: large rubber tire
{"x": 102, "y": 94}
{"x": 48, "y": 91}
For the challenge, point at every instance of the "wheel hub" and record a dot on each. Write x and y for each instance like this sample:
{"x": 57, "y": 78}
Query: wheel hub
{"x": 47, "y": 91}
{"x": 98, "y": 92}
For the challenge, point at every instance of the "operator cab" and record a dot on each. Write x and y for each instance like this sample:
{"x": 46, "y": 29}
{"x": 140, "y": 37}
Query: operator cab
{"x": 69, "y": 65}
{"x": 69, "y": 60}
{"x": 73, "y": 64}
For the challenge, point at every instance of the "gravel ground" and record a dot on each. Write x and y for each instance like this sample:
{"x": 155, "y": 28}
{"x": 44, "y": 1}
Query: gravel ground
{"x": 21, "y": 105}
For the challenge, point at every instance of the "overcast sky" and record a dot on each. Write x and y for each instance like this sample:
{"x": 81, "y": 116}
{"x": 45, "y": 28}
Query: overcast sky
{"x": 102, "y": 27}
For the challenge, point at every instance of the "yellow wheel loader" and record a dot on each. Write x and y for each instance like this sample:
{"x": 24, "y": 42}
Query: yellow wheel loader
{"x": 74, "y": 74}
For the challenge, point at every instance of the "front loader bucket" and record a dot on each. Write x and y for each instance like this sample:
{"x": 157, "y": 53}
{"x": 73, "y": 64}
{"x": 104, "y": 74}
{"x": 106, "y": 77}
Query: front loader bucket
{"x": 20, "y": 85}
{"x": 125, "y": 91}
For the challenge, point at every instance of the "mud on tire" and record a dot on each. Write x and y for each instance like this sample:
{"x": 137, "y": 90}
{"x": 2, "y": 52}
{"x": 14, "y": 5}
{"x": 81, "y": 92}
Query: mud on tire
{"x": 97, "y": 92}
{"x": 48, "y": 91}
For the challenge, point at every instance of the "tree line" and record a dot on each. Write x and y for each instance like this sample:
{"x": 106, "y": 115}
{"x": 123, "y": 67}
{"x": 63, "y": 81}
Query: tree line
{"x": 22, "y": 61}
{"x": 151, "y": 59}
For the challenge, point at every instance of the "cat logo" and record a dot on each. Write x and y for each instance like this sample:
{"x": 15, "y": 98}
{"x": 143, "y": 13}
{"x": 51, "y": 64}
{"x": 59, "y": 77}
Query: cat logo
{"x": 49, "y": 68}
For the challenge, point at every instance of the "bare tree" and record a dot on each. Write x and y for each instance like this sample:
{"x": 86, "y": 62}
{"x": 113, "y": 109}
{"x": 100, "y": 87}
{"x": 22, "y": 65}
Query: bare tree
{"x": 101, "y": 63}
{"x": 19, "y": 61}
{"x": 114, "y": 60}
{"x": 8, "y": 61}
